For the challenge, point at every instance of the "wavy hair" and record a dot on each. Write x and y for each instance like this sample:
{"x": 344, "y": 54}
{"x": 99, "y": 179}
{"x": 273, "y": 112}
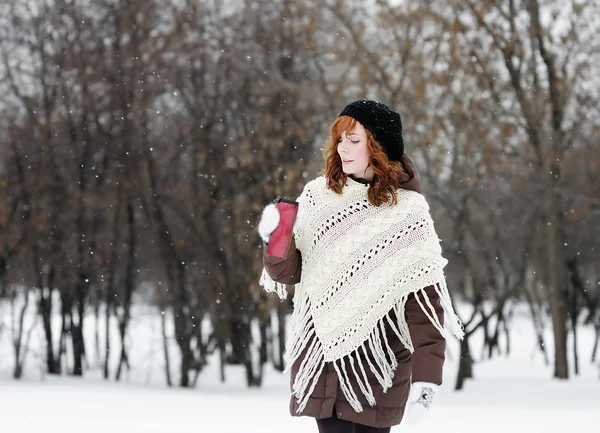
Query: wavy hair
{"x": 385, "y": 182}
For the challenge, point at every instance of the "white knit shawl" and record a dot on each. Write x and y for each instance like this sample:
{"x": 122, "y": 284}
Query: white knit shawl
{"x": 359, "y": 263}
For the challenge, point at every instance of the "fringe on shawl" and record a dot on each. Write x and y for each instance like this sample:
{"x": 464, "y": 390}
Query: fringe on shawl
{"x": 376, "y": 349}
{"x": 271, "y": 286}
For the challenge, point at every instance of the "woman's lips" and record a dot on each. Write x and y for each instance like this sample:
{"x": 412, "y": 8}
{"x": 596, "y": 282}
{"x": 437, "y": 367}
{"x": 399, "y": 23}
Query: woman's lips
{"x": 347, "y": 161}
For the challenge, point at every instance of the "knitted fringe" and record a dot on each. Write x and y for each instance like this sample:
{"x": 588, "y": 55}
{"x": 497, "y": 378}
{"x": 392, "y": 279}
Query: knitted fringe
{"x": 271, "y": 286}
{"x": 454, "y": 323}
{"x": 376, "y": 349}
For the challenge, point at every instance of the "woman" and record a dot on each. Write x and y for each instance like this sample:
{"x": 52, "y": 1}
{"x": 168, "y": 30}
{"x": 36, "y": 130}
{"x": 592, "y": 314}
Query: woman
{"x": 368, "y": 320}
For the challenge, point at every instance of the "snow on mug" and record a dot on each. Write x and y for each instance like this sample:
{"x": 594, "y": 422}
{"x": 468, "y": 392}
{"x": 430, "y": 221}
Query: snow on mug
{"x": 279, "y": 241}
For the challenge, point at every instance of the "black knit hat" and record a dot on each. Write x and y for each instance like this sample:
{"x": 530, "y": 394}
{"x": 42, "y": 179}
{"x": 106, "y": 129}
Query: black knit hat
{"x": 383, "y": 123}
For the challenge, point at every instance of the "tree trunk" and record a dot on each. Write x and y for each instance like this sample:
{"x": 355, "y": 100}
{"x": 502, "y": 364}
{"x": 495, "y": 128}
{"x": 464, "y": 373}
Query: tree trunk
{"x": 553, "y": 145}
{"x": 128, "y": 286}
{"x": 18, "y": 330}
{"x": 222, "y": 358}
{"x": 238, "y": 342}
{"x": 21, "y": 348}
{"x": 98, "y": 360}
{"x": 123, "y": 360}
{"x": 107, "y": 335}
{"x": 109, "y": 299}
{"x": 574, "y": 315}
{"x": 255, "y": 364}
{"x": 183, "y": 325}
{"x": 77, "y": 345}
{"x": 64, "y": 330}
{"x": 538, "y": 325}
{"x": 263, "y": 354}
{"x": 465, "y": 365}
{"x": 253, "y": 378}
{"x": 493, "y": 341}
{"x": 18, "y": 370}
{"x": 45, "y": 302}
{"x": 557, "y": 303}
{"x": 163, "y": 327}
{"x": 597, "y": 340}
{"x": 507, "y": 336}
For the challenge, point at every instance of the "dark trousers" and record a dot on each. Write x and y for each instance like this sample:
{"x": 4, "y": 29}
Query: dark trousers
{"x": 336, "y": 425}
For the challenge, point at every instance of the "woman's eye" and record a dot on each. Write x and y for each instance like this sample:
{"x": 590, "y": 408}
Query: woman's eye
{"x": 351, "y": 141}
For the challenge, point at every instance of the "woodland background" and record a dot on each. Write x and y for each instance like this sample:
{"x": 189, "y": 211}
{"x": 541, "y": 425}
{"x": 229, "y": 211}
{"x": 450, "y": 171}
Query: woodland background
{"x": 140, "y": 140}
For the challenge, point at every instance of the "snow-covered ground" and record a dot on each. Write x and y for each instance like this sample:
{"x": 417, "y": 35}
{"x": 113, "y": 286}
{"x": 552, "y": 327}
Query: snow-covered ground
{"x": 514, "y": 394}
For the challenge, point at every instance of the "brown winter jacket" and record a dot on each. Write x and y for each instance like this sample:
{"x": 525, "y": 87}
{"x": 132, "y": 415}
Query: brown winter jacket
{"x": 425, "y": 364}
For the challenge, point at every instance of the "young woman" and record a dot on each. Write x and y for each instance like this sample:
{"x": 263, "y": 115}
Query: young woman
{"x": 368, "y": 319}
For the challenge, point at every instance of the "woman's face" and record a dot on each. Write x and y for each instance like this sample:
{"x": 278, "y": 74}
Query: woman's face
{"x": 352, "y": 149}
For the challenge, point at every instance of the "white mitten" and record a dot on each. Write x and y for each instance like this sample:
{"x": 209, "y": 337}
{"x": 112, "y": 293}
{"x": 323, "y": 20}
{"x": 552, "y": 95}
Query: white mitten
{"x": 268, "y": 222}
{"x": 420, "y": 399}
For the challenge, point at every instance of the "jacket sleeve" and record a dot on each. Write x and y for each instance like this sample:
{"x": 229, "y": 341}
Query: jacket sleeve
{"x": 428, "y": 358}
{"x": 285, "y": 270}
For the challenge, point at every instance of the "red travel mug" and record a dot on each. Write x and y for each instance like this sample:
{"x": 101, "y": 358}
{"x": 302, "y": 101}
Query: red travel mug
{"x": 280, "y": 239}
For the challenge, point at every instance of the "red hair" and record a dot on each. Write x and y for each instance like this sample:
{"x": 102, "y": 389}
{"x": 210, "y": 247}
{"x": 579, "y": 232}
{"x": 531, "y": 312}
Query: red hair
{"x": 385, "y": 181}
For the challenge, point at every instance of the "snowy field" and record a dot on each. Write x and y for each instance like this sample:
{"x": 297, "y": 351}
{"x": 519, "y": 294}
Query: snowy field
{"x": 514, "y": 394}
